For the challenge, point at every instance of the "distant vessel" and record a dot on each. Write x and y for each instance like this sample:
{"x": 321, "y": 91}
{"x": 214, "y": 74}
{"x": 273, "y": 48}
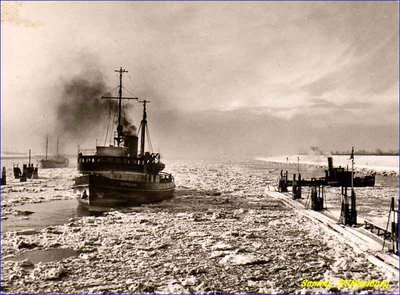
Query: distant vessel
{"x": 57, "y": 161}
{"x": 119, "y": 174}
{"x": 338, "y": 176}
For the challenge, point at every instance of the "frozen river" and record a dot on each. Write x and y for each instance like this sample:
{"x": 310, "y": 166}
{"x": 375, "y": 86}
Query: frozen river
{"x": 220, "y": 234}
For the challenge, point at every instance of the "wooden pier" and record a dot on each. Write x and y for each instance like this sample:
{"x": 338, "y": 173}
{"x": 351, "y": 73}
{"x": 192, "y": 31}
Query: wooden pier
{"x": 359, "y": 238}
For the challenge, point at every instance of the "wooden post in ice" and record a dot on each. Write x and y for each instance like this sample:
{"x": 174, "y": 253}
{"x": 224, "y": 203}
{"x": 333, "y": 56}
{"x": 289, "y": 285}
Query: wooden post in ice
{"x": 35, "y": 174}
{"x": 344, "y": 213}
{"x": 353, "y": 209}
{"x": 394, "y": 235}
{"x": 283, "y": 182}
{"x": 24, "y": 172}
{"x": 352, "y": 168}
{"x": 3, "y": 176}
{"x": 17, "y": 172}
{"x": 317, "y": 196}
{"x": 395, "y": 228}
{"x": 296, "y": 187}
{"x": 348, "y": 215}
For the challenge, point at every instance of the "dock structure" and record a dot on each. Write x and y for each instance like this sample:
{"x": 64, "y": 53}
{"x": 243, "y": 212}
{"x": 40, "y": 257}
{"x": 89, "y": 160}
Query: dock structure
{"x": 359, "y": 238}
{"x": 28, "y": 171}
{"x": 391, "y": 232}
{"x": 334, "y": 177}
{"x": 388, "y": 237}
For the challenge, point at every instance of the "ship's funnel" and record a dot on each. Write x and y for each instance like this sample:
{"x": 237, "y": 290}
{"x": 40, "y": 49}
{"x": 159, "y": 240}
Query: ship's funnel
{"x": 130, "y": 130}
{"x": 130, "y": 139}
{"x": 131, "y": 142}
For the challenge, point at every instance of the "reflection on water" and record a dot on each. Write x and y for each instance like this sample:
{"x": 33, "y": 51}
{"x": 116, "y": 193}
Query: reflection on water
{"x": 45, "y": 214}
{"x": 37, "y": 256}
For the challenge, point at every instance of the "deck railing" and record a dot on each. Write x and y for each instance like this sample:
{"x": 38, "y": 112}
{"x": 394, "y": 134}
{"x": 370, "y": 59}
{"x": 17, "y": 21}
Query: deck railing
{"x": 87, "y": 152}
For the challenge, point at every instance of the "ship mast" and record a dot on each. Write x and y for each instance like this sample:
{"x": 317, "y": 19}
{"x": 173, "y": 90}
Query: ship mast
{"x": 47, "y": 144}
{"x": 143, "y": 126}
{"x": 119, "y": 137}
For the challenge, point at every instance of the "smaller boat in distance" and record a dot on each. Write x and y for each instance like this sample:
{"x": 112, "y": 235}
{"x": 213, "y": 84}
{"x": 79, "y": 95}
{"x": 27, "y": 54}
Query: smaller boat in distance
{"x": 339, "y": 176}
{"x": 57, "y": 161}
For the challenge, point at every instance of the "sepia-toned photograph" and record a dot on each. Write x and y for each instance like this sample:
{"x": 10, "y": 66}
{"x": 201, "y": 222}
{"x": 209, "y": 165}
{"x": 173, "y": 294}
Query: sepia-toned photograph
{"x": 199, "y": 147}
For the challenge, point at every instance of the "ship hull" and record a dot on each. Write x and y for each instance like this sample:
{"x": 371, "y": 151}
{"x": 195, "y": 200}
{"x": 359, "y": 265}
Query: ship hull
{"x": 46, "y": 164}
{"x": 100, "y": 191}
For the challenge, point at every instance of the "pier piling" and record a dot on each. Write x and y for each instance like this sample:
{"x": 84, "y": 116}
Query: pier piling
{"x": 3, "y": 176}
{"x": 17, "y": 172}
{"x": 35, "y": 174}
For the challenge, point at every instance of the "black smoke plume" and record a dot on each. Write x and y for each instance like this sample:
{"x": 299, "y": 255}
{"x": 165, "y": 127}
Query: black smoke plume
{"x": 82, "y": 114}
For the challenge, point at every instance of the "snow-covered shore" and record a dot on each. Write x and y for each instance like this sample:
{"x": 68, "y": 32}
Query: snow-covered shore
{"x": 385, "y": 165}
{"x": 219, "y": 234}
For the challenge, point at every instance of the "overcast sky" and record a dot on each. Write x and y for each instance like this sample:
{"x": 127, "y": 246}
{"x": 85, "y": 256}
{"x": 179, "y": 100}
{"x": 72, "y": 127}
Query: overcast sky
{"x": 231, "y": 78}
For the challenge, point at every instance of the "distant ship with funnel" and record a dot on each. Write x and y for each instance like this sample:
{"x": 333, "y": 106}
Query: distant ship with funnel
{"x": 120, "y": 174}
